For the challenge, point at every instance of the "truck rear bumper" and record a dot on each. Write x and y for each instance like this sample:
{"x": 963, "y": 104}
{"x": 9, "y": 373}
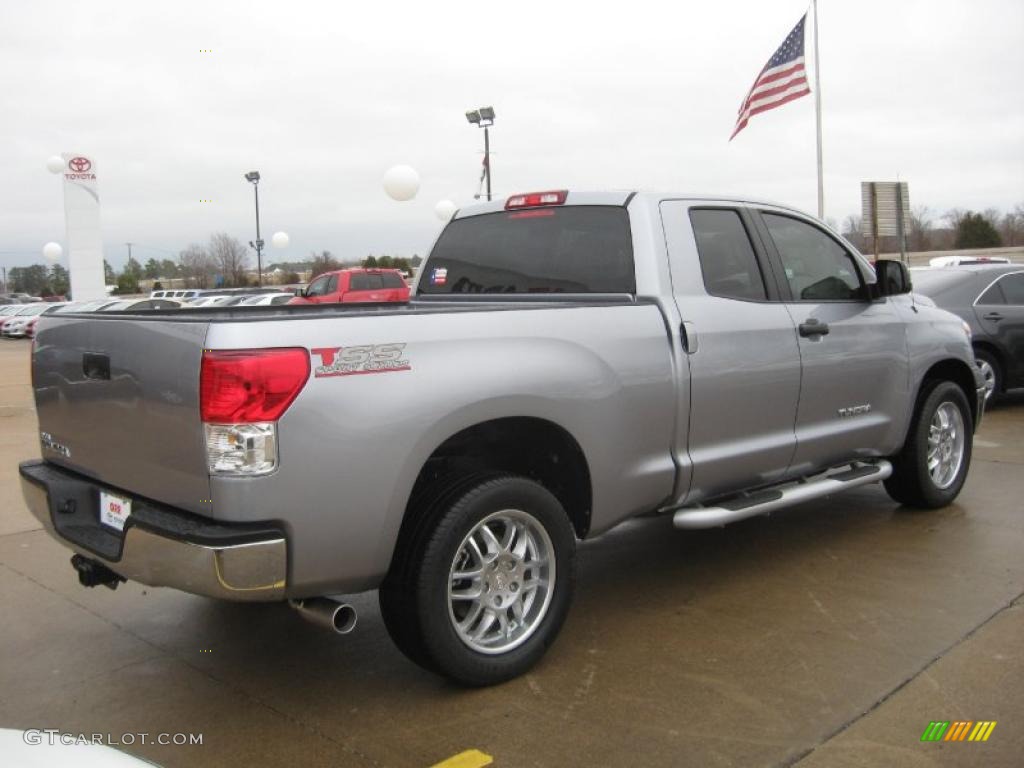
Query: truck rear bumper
{"x": 160, "y": 546}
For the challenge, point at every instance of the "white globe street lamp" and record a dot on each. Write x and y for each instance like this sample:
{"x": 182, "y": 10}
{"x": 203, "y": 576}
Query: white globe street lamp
{"x": 52, "y": 252}
{"x": 280, "y": 240}
{"x": 445, "y": 209}
{"x": 401, "y": 183}
{"x": 55, "y": 164}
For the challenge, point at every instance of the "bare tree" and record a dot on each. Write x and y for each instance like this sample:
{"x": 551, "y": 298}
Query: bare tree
{"x": 196, "y": 266}
{"x": 920, "y": 229}
{"x": 851, "y": 231}
{"x": 230, "y": 258}
{"x": 322, "y": 262}
{"x": 954, "y": 216}
{"x": 1011, "y": 228}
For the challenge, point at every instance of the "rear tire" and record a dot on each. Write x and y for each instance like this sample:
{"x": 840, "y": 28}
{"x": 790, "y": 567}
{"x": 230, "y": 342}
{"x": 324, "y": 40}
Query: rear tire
{"x": 930, "y": 470}
{"x": 484, "y": 587}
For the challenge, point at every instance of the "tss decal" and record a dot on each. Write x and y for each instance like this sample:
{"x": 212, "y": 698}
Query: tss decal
{"x": 349, "y": 361}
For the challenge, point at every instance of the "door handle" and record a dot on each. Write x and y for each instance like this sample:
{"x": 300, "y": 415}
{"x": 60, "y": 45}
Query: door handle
{"x": 813, "y": 327}
{"x": 995, "y": 317}
{"x": 688, "y": 333}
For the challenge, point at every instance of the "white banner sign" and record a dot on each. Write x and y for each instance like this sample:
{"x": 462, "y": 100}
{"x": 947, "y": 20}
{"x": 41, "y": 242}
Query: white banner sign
{"x": 82, "y": 217}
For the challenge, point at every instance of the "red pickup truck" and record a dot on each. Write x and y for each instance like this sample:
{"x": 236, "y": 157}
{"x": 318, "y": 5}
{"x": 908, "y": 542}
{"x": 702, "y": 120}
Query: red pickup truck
{"x": 355, "y": 285}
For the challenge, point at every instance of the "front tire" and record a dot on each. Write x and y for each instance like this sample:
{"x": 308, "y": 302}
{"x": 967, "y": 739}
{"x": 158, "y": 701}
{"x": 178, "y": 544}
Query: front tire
{"x": 991, "y": 371}
{"x": 930, "y": 470}
{"x": 487, "y": 585}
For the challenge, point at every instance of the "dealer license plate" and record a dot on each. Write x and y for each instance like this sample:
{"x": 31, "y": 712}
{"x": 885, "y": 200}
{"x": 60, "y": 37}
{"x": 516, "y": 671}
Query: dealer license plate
{"x": 114, "y": 510}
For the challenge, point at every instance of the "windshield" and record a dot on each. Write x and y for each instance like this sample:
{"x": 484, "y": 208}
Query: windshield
{"x": 577, "y": 249}
{"x": 33, "y": 309}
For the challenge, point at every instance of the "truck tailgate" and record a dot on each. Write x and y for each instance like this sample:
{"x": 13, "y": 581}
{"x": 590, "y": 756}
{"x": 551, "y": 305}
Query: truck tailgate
{"x": 118, "y": 400}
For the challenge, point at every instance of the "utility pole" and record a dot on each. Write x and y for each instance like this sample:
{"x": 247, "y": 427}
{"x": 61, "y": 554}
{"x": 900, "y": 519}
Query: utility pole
{"x": 253, "y": 177}
{"x": 484, "y": 118}
{"x": 487, "y": 160}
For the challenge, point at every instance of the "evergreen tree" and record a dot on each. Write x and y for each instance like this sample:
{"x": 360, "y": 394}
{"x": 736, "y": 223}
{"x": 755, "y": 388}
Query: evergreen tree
{"x": 975, "y": 231}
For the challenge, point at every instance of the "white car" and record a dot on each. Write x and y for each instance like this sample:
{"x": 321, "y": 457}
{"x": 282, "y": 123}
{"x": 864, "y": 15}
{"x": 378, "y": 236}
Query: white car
{"x": 267, "y": 299}
{"x": 205, "y": 301}
{"x": 85, "y": 306}
{"x": 13, "y": 326}
{"x": 961, "y": 261}
{"x": 134, "y": 305}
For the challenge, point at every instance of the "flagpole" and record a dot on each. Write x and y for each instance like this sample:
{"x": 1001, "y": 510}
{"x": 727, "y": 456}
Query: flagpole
{"x": 817, "y": 112}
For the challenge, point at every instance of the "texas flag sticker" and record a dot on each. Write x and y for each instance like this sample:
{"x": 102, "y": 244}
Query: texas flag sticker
{"x": 439, "y": 276}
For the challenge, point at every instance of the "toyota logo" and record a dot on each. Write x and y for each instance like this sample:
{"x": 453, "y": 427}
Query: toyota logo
{"x": 79, "y": 164}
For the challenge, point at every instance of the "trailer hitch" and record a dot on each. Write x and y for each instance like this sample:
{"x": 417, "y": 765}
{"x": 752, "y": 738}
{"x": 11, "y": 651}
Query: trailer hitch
{"x": 92, "y": 574}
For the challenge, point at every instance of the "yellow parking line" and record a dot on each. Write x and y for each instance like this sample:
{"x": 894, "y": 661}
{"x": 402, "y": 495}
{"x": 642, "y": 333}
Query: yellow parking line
{"x": 471, "y": 758}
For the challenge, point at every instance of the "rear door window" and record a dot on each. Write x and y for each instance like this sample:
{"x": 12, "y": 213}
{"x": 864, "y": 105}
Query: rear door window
{"x": 727, "y": 258}
{"x": 391, "y": 280}
{"x": 1013, "y": 289}
{"x": 574, "y": 249}
{"x": 993, "y": 295}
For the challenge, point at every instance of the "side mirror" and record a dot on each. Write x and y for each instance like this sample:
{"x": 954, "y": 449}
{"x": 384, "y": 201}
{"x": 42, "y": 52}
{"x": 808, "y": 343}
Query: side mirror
{"x": 893, "y": 278}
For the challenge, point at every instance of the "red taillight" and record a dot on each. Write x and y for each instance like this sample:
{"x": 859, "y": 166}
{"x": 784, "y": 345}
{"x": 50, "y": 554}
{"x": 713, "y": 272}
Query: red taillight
{"x": 535, "y": 199}
{"x": 250, "y": 385}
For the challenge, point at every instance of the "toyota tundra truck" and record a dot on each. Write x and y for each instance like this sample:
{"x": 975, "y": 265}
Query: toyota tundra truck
{"x": 567, "y": 361}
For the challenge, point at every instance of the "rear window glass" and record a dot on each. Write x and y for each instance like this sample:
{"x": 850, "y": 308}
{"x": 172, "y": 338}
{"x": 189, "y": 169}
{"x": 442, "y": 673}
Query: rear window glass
{"x": 365, "y": 283}
{"x": 578, "y": 249}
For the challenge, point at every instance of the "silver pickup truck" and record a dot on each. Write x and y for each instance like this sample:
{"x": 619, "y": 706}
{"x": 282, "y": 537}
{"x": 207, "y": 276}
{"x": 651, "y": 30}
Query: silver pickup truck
{"x": 568, "y": 361}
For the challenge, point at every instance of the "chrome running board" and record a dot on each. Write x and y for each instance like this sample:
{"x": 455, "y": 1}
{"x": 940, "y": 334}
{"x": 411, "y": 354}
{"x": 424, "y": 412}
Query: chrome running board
{"x": 770, "y": 499}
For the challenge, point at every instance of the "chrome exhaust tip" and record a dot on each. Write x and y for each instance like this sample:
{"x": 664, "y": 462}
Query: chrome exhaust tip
{"x": 324, "y": 612}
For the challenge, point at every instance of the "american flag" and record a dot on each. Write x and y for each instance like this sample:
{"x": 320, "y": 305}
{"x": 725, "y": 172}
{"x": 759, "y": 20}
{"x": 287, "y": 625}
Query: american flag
{"x": 782, "y": 79}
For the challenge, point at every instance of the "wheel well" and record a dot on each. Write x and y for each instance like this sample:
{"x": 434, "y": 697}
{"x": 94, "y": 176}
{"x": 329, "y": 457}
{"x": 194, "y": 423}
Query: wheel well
{"x": 993, "y": 350}
{"x": 960, "y": 374}
{"x": 534, "y": 448}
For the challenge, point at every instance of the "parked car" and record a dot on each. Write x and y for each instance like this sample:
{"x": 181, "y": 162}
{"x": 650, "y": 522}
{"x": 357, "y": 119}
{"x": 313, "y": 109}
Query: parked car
{"x": 85, "y": 306}
{"x": 963, "y": 261}
{"x": 990, "y": 298}
{"x": 13, "y": 326}
{"x": 355, "y": 285}
{"x": 205, "y": 300}
{"x": 570, "y": 361}
{"x": 230, "y": 301}
{"x": 136, "y": 305}
{"x": 267, "y": 299}
{"x": 30, "y": 326}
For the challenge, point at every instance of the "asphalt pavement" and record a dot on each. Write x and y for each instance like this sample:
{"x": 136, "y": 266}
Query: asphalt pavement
{"x": 829, "y": 634}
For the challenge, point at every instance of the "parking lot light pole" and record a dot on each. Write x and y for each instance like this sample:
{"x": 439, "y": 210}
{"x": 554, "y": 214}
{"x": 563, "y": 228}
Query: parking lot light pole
{"x": 484, "y": 118}
{"x": 254, "y": 178}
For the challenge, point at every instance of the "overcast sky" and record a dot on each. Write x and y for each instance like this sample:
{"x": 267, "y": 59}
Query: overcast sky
{"x": 322, "y": 98}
